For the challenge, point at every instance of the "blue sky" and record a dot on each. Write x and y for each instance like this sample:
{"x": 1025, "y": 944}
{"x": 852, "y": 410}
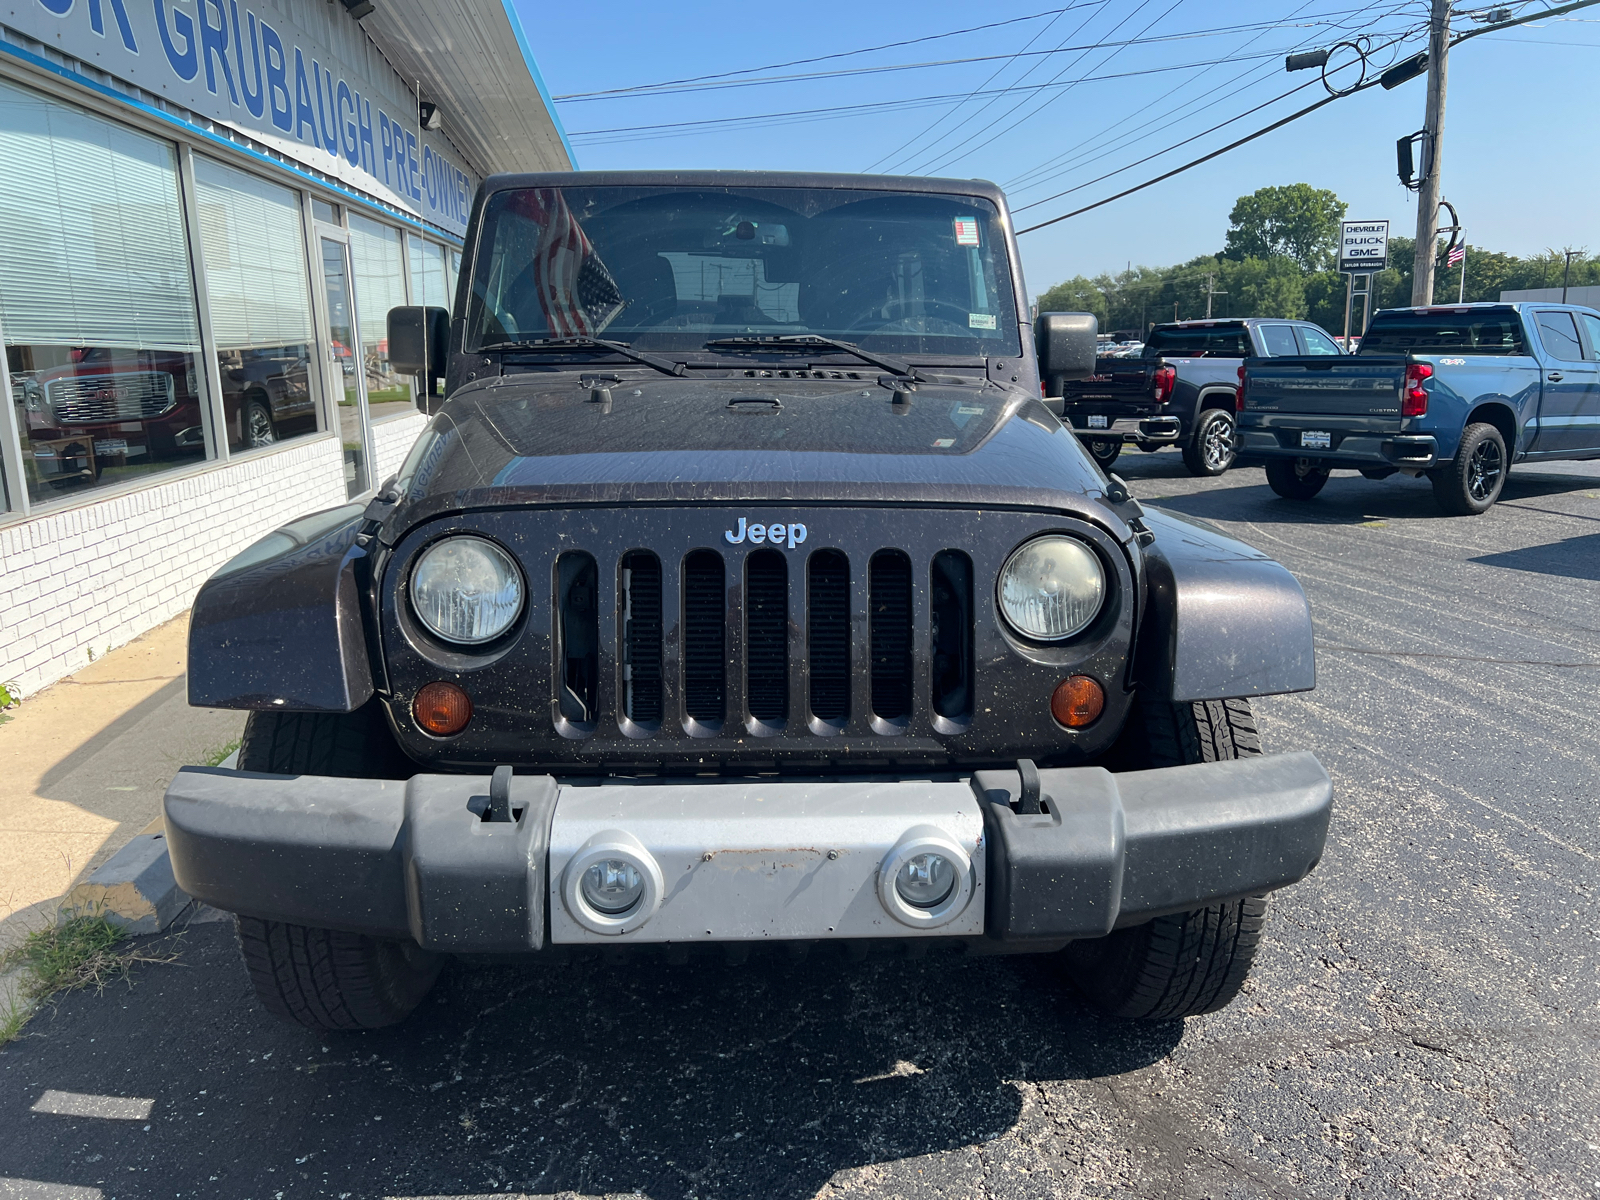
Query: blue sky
{"x": 1521, "y": 156}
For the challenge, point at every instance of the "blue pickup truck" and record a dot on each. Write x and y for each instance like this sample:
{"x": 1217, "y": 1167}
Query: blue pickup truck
{"x": 1180, "y": 392}
{"x": 1456, "y": 393}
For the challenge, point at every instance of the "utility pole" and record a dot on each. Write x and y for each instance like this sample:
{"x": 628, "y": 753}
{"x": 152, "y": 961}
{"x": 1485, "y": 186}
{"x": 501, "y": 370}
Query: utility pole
{"x": 1566, "y": 271}
{"x": 1433, "y": 144}
{"x": 1211, "y": 290}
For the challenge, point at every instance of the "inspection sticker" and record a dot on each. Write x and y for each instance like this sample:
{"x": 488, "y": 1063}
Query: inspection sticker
{"x": 980, "y": 320}
{"x": 966, "y": 231}
{"x": 944, "y": 443}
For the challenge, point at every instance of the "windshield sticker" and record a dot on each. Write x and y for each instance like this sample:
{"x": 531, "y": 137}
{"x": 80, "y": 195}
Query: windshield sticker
{"x": 966, "y": 231}
{"x": 980, "y": 320}
{"x": 943, "y": 443}
{"x": 960, "y": 413}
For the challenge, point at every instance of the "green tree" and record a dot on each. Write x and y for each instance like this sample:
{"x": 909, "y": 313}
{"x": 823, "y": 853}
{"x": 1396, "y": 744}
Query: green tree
{"x": 1297, "y": 221}
{"x": 1078, "y": 294}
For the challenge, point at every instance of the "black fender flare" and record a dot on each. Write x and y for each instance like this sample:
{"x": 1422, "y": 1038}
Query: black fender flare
{"x": 280, "y": 626}
{"x": 1221, "y": 620}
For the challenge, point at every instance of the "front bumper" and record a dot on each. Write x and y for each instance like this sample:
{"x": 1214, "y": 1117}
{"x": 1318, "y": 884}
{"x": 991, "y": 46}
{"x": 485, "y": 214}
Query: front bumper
{"x": 740, "y": 861}
{"x": 1406, "y": 451}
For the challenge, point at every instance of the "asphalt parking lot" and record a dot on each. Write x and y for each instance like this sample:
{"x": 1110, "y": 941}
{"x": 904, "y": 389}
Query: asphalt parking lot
{"x": 1425, "y": 1020}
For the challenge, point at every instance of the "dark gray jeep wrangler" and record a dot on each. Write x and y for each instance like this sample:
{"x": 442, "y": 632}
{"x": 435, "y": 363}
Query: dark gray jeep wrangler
{"x": 745, "y": 590}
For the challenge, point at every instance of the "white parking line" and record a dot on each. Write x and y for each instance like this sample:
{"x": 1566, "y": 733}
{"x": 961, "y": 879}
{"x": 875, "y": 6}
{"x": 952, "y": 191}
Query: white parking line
{"x": 78, "y": 1104}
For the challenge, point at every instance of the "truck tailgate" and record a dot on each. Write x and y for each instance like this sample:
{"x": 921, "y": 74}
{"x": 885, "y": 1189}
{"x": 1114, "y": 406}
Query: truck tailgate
{"x": 1347, "y": 386}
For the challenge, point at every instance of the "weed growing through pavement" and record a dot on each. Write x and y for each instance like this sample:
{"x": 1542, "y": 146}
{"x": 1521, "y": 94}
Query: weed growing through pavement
{"x": 72, "y": 954}
{"x": 215, "y": 757}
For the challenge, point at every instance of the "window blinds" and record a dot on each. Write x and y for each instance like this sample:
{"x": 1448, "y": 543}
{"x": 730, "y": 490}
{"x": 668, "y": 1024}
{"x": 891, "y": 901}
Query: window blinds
{"x": 380, "y": 277}
{"x": 255, "y": 259}
{"x": 92, "y": 247}
{"x": 427, "y": 273}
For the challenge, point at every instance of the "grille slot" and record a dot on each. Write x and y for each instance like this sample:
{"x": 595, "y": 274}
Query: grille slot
{"x": 889, "y": 582}
{"x": 640, "y": 621}
{"x": 828, "y": 635}
{"x": 704, "y": 613}
{"x": 951, "y": 619}
{"x": 766, "y": 624}
{"x": 578, "y": 640}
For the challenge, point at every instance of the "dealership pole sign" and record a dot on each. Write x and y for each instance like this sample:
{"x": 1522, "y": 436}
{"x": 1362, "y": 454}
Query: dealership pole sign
{"x": 1363, "y": 246}
{"x": 247, "y": 65}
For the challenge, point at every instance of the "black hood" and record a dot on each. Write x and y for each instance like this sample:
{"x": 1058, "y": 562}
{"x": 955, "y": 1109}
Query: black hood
{"x": 626, "y": 437}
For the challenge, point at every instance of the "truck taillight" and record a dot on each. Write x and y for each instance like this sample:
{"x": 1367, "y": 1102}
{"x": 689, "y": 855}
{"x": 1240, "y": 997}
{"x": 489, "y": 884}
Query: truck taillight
{"x": 1238, "y": 392}
{"x": 1415, "y": 401}
{"x": 1162, "y": 381}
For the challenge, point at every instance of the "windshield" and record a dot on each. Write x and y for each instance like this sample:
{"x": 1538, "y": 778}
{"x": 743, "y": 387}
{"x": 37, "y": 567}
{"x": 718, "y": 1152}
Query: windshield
{"x": 669, "y": 268}
{"x": 1471, "y": 331}
{"x": 1215, "y": 341}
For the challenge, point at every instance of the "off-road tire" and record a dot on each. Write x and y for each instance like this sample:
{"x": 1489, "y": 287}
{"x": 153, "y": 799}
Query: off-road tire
{"x": 356, "y": 745}
{"x": 1105, "y": 451}
{"x": 1295, "y": 478}
{"x": 1190, "y": 963}
{"x": 1209, "y": 451}
{"x": 325, "y": 979}
{"x": 1472, "y": 483}
{"x": 322, "y": 978}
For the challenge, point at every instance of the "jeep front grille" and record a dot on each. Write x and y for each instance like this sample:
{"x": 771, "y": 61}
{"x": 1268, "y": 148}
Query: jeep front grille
{"x": 121, "y": 396}
{"x": 828, "y": 635}
{"x": 705, "y": 691}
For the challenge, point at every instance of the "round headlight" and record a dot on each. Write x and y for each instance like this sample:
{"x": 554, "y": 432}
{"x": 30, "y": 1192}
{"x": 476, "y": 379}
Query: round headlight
{"x": 466, "y": 590}
{"x": 1052, "y": 588}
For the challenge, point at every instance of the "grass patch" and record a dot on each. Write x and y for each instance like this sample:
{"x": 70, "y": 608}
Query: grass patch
{"x": 68, "y": 956}
{"x": 215, "y": 757}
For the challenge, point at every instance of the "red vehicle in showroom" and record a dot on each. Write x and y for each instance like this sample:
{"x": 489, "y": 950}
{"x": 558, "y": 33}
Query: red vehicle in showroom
{"x": 115, "y": 408}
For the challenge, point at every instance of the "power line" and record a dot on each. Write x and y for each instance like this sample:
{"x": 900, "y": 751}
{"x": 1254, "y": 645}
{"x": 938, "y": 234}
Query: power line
{"x": 1294, "y": 116}
{"x": 784, "y": 117}
{"x": 800, "y": 62}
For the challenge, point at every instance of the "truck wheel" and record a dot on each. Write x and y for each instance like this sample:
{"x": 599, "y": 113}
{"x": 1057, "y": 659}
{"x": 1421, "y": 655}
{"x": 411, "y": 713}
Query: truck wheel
{"x": 1210, "y": 451}
{"x": 258, "y": 429}
{"x": 1105, "y": 451}
{"x": 1470, "y": 484}
{"x": 325, "y": 979}
{"x": 1296, "y": 478}
{"x": 1187, "y": 963}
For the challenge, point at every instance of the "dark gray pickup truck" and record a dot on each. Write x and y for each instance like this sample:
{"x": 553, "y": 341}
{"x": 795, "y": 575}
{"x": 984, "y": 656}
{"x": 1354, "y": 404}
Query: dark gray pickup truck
{"x": 743, "y": 593}
{"x": 1453, "y": 393}
{"x": 1180, "y": 392}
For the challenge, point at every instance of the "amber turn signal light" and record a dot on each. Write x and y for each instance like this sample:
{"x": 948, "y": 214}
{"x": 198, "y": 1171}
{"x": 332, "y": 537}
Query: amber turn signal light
{"x": 1077, "y": 701}
{"x": 444, "y": 708}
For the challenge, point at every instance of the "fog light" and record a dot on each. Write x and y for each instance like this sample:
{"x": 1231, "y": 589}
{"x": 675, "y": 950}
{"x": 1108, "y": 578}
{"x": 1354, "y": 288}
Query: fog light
{"x": 612, "y": 886}
{"x": 925, "y": 880}
{"x": 442, "y": 708}
{"x": 1077, "y": 701}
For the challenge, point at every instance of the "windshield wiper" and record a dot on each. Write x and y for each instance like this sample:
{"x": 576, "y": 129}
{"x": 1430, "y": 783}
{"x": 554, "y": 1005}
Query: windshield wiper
{"x": 666, "y": 366}
{"x": 808, "y": 341}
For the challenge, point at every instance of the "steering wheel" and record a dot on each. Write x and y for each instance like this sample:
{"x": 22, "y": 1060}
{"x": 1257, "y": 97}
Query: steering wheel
{"x": 930, "y": 306}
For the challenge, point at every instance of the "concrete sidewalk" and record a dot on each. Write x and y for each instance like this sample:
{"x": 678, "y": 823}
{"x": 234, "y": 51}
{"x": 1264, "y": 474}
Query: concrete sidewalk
{"x": 84, "y": 764}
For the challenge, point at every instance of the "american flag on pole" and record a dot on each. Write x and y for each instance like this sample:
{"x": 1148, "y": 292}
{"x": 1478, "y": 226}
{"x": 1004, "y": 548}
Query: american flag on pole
{"x": 1453, "y": 259}
{"x": 577, "y": 293}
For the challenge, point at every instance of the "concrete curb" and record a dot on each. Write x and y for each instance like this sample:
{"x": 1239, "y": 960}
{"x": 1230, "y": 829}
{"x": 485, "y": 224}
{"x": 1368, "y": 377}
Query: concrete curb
{"x": 134, "y": 889}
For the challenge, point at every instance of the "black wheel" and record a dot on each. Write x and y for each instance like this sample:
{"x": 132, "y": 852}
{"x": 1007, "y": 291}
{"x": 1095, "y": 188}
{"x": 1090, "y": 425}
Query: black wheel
{"x": 1105, "y": 451}
{"x": 1296, "y": 478}
{"x": 258, "y": 429}
{"x": 323, "y": 978}
{"x": 1188, "y": 963}
{"x": 1471, "y": 484}
{"x": 1210, "y": 451}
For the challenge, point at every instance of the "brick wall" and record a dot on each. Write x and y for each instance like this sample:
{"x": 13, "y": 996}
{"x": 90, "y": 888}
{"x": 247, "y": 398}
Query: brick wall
{"x": 96, "y": 576}
{"x": 391, "y": 440}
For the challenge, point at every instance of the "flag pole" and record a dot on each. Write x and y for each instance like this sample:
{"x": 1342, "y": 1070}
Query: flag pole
{"x": 1461, "y": 296}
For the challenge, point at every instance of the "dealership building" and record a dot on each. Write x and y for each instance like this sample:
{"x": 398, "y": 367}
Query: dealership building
{"x": 207, "y": 208}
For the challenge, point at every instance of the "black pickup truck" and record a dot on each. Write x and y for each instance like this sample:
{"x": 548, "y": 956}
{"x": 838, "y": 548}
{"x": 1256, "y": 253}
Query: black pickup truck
{"x": 1180, "y": 392}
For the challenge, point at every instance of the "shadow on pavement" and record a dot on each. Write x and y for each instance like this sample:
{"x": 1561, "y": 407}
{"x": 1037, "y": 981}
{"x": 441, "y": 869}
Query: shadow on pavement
{"x": 755, "y": 1081}
{"x": 1574, "y": 558}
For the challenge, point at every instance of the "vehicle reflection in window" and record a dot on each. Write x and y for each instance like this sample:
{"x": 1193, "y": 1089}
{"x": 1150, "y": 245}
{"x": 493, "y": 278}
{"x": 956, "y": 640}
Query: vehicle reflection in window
{"x": 266, "y": 394}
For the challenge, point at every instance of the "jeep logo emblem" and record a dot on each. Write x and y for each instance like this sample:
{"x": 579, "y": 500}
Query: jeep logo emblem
{"x": 776, "y": 534}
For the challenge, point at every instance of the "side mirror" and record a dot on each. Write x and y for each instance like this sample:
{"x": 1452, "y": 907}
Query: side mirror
{"x": 1067, "y": 344}
{"x": 417, "y": 340}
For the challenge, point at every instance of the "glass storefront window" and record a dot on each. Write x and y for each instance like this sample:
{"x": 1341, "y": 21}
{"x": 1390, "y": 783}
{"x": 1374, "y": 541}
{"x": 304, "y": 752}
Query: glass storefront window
{"x": 259, "y": 292}
{"x": 380, "y": 284}
{"x": 97, "y": 304}
{"x": 428, "y": 282}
